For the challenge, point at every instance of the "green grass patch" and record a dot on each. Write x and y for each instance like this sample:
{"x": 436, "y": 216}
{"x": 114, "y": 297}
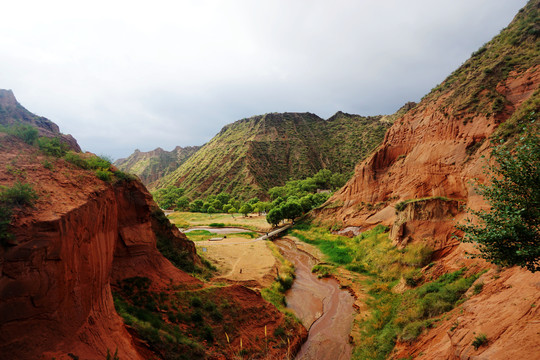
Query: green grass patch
{"x": 275, "y": 293}
{"x": 393, "y": 316}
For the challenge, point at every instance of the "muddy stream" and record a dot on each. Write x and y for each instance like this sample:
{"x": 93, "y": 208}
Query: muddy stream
{"x": 324, "y": 309}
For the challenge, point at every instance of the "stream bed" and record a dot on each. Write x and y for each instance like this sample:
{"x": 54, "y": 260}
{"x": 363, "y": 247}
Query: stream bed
{"x": 323, "y": 308}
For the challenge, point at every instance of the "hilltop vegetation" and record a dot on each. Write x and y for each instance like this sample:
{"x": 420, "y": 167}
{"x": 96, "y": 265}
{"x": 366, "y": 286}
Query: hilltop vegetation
{"x": 250, "y": 156}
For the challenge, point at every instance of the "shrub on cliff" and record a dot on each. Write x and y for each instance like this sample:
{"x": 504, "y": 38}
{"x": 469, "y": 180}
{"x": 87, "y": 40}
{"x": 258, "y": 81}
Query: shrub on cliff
{"x": 18, "y": 195}
{"x": 509, "y": 234}
{"x": 26, "y": 133}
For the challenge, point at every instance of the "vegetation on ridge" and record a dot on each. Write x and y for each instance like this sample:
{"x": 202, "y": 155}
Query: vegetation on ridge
{"x": 252, "y": 155}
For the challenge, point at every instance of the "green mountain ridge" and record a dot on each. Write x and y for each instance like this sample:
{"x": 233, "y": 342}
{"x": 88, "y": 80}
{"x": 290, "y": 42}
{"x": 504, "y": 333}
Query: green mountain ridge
{"x": 251, "y": 155}
{"x": 152, "y": 165}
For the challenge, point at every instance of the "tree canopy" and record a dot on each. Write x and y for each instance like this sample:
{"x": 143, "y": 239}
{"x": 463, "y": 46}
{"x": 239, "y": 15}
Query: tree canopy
{"x": 509, "y": 234}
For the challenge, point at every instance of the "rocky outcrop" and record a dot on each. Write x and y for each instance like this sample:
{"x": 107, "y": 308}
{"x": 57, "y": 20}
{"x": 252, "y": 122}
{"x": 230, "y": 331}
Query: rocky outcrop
{"x": 55, "y": 293}
{"x": 11, "y": 112}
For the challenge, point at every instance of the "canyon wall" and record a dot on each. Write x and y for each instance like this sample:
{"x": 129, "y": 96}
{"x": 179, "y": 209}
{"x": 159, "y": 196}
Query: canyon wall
{"x": 83, "y": 233}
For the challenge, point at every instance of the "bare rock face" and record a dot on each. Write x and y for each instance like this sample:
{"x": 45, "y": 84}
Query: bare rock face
{"x": 11, "y": 112}
{"x": 55, "y": 294}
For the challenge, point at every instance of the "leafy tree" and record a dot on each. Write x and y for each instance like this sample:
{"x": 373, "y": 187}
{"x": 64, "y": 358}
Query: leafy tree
{"x": 509, "y": 234}
{"x": 319, "y": 199}
{"x": 232, "y": 211}
{"x": 277, "y": 202}
{"x": 182, "y": 204}
{"x": 218, "y": 205}
{"x": 223, "y": 197}
{"x": 196, "y": 206}
{"x": 211, "y": 210}
{"x": 291, "y": 210}
{"x": 253, "y": 201}
{"x": 337, "y": 180}
{"x": 306, "y": 202}
{"x": 167, "y": 197}
{"x": 274, "y": 216}
{"x": 246, "y": 209}
{"x": 322, "y": 178}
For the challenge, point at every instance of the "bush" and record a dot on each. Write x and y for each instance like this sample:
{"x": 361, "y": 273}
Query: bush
{"x": 76, "y": 159}
{"x": 217, "y": 225}
{"x": 18, "y": 195}
{"x": 195, "y": 301}
{"x": 104, "y": 175}
{"x": 411, "y": 331}
{"x": 413, "y": 278}
{"x": 26, "y": 133}
{"x": 418, "y": 255}
{"x": 480, "y": 340}
{"x": 52, "y": 146}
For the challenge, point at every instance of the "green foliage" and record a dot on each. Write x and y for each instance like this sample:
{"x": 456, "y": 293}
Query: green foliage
{"x": 251, "y": 156}
{"x": 509, "y": 233}
{"x": 104, "y": 175}
{"x": 179, "y": 257}
{"x": 274, "y": 216}
{"x": 291, "y": 210}
{"x": 18, "y": 195}
{"x": 196, "y": 206}
{"x": 52, "y": 146}
{"x": 392, "y": 315}
{"x": 480, "y": 340}
{"x": 275, "y": 293}
{"x": 26, "y": 133}
{"x": 169, "y": 197}
{"x": 246, "y": 209}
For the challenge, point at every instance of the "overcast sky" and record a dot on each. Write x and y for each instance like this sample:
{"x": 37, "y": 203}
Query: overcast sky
{"x": 121, "y": 75}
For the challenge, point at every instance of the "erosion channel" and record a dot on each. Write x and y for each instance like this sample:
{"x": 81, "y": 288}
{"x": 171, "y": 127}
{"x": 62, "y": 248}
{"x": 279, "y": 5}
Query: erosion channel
{"x": 324, "y": 309}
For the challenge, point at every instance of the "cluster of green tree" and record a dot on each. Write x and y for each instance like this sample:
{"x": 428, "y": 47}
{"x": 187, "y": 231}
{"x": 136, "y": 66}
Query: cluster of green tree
{"x": 289, "y": 201}
{"x": 323, "y": 180}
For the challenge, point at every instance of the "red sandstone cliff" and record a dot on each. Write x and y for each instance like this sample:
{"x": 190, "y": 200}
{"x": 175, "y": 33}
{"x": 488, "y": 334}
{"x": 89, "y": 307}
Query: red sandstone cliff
{"x": 55, "y": 294}
{"x": 435, "y": 150}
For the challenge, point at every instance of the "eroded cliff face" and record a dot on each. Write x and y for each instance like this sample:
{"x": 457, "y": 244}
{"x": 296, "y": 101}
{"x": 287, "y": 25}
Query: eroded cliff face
{"x": 428, "y": 160}
{"x": 55, "y": 293}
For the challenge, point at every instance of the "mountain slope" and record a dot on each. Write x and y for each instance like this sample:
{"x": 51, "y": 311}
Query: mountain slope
{"x": 153, "y": 165}
{"x": 427, "y": 163}
{"x": 252, "y": 155}
{"x": 11, "y": 112}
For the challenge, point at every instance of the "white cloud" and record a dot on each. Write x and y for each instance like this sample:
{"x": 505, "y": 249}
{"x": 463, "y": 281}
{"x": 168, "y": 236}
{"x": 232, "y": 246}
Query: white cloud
{"x": 121, "y": 75}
